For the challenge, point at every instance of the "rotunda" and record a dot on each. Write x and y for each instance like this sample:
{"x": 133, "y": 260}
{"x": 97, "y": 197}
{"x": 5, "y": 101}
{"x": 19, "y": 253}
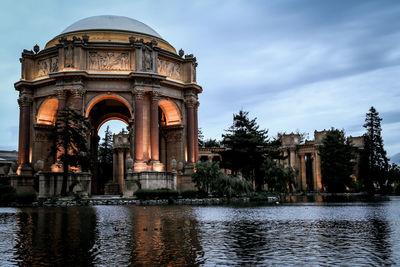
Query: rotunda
{"x": 111, "y": 67}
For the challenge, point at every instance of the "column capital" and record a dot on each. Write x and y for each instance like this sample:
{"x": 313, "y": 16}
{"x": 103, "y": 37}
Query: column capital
{"x": 60, "y": 93}
{"x": 25, "y": 100}
{"x": 155, "y": 96}
{"x": 78, "y": 92}
{"x": 139, "y": 94}
{"x": 190, "y": 103}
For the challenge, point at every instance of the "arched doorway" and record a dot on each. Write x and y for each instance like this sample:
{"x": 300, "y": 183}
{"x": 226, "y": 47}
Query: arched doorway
{"x": 103, "y": 109}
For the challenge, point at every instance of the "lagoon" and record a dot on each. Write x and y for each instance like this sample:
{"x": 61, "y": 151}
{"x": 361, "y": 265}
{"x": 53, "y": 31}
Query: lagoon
{"x": 291, "y": 234}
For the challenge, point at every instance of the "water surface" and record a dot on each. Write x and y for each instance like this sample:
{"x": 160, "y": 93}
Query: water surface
{"x": 293, "y": 234}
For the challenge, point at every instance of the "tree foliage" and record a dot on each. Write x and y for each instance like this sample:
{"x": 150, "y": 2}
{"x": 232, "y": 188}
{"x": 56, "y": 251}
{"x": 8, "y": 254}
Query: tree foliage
{"x": 244, "y": 143}
{"x": 277, "y": 177}
{"x": 206, "y": 174}
{"x": 211, "y": 143}
{"x": 105, "y": 154}
{"x": 374, "y": 162}
{"x": 337, "y": 161}
{"x": 210, "y": 179}
{"x": 200, "y": 138}
{"x": 71, "y": 146}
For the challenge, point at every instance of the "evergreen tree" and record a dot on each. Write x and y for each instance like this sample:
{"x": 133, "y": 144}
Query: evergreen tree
{"x": 200, "y": 138}
{"x": 105, "y": 154}
{"x": 374, "y": 163}
{"x": 105, "y": 148}
{"x": 71, "y": 146}
{"x": 245, "y": 147}
{"x": 337, "y": 161}
{"x": 211, "y": 143}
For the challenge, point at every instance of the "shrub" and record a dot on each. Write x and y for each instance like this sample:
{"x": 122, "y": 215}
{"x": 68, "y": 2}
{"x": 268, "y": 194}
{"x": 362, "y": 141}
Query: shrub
{"x": 230, "y": 186}
{"x": 189, "y": 194}
{"x": 156, "y": 194}
{"x": 7, "y": 194}
{"x": 26, "y": 198}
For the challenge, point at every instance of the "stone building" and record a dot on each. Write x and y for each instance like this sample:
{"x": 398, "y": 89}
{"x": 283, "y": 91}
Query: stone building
{"x": 303, "y": 156}
{"x": 111, "y": 67}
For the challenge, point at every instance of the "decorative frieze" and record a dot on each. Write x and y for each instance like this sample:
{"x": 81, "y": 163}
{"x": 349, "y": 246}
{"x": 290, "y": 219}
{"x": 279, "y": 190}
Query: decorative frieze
{"x": 170, "y": 69}
{"x": 46, "y": 66}
{"x": 108, "y": 61}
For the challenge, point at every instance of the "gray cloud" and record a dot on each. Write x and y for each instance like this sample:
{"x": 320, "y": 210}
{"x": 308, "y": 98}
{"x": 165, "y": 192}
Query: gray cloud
{"x": 294, "y": 64}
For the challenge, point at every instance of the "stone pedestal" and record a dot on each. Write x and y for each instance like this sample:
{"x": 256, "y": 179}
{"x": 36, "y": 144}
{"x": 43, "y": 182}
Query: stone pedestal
{"x": 50, "y": 183}
{"x": 140, "y": 166}
{"x": 157, "y": 166}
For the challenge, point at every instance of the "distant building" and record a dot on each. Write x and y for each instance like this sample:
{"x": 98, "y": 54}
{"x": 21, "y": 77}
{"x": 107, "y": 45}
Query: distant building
{"x": 303, "y": 156}
{"x": 8, "y": 161}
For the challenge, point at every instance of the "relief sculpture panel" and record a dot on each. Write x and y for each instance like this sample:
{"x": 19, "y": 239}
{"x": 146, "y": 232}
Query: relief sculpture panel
{"x": 170, "y": 69}
{"x": 108, "y": 61}
{"x": 46, "y": 66}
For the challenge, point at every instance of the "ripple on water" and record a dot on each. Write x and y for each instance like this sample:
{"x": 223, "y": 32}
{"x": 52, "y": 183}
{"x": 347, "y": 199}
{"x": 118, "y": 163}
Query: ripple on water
{"x": 290, "y": 235}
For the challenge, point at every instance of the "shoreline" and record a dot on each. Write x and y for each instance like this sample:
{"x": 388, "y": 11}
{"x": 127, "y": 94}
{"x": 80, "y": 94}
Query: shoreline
{"x": 271, "y": 200}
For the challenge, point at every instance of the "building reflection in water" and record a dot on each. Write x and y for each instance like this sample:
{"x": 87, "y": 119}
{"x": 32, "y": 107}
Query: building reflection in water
{"x": 155, "y": 235}
{"x": 296, "y": 234}
{"x": 107, "y": 236}
{"x": 55, "y": 236}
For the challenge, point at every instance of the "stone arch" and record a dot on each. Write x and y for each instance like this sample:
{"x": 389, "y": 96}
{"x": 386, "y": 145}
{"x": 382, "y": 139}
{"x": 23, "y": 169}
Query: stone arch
{"x": 171, "y": 112}
{"x": 47, "y": 114}
{"x": 110, "y": 118}
{"x": 103, "y": 97}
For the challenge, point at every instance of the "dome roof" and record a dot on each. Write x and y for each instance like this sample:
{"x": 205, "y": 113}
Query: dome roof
{"x": 111, "y": 23}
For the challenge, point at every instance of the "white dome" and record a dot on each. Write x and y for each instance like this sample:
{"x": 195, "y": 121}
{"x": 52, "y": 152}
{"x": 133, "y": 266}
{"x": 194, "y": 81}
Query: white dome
{"x": 108, "y": 22}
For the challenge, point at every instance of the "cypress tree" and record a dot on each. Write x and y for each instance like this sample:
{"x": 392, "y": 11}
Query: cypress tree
{"x": 105, "y": 155}
{"x": 71, "y": 146}
{"x": 337, "y": 163}
{"x": 374, "y": 162}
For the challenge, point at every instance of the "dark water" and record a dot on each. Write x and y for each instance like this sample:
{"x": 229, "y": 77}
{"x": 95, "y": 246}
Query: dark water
{"x": 295, "y": 234}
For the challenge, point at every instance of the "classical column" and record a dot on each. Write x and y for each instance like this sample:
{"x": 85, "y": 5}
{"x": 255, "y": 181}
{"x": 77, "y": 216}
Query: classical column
{"x": 140, "y": 165}
{"x": 24, "y": 102}
{"x": 139, "y": 125}
{"x": 303, "y": 174}
{"x": 292, "y": 155}
{"x": 317, "y": 172}
{"x": 77, "y": 99}
{"x": 154, "y": 133}
{"x": 62, "y": 98}
{"x": 190, "y": 130}
{"x": 196, "y": 131}
{"x": 121, "y": 168}
{"x": 155, "y": 154}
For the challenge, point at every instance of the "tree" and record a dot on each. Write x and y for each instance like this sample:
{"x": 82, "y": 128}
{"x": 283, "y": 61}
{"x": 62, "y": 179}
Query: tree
{"x": 206, "y": 174}
{"x": 277, "y": 177}
{"x": 211, "y": 143}
{"x": 71, "y": 147}
{"x": 337, "y": 161}
{"x": 246, "y": 147}
{"x": 105, "y": 154}
{"x": 374, "y": 163}
{"x": 200, "y": 137}
{"x": 210, "y": 179}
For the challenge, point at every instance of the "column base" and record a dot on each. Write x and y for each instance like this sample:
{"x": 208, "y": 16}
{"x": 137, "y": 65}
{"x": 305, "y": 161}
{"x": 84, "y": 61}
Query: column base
{"x": 140, "y": 166}
{"x": 25, "y": 170}
{"x": 157, "y": 166}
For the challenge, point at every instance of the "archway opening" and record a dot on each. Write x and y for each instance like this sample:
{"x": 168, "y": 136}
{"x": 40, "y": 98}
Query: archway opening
{"x": 48, "y": 112}
{"x": 107, "y": 156}
{"x": 114, "y": 112}
{"x": 170, "y": 131}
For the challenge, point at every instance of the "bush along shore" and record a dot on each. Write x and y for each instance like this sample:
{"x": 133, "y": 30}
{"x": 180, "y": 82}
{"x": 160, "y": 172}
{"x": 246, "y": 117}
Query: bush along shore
{"x": 142, "y": 197}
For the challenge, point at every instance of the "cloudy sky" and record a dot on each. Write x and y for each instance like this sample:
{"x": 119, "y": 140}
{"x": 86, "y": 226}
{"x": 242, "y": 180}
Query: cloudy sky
{"x": 294, "y": 64}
